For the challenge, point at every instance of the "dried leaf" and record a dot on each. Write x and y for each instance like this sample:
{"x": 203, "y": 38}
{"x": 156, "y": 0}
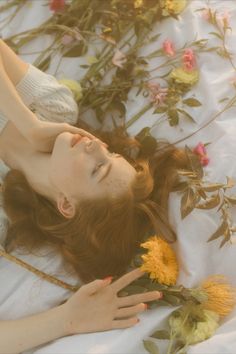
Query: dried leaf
{"x": 186, "y": 114}
{"x": 227, "y": 235}
{"x": 210, "y": 203}
{"x": 151, "y": 347}
{"x": 194, "y": 162}
{"x": 219, "y": 232}
{"x": 212, "y": 187}
{"x": 230, "y": 182}
{"x": 161, "y": 334}
{"x": 188, "y": 202}
{"x": 161, "y": 109}
{"x": 192, "y": 102}
{"x": 232, "y": 200}
{"x": 173, "y": 117}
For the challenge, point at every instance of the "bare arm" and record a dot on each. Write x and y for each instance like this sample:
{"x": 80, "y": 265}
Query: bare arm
{"x": 12, "y": 106}
{"x": 17, "y": 336}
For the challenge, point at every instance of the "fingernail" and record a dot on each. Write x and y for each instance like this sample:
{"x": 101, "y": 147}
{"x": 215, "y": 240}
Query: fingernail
{"x": 138, "y": 320}
{"x": 146, "y": 306}
{"x": 160, "y": 295}
{"x": 109, "y": 278}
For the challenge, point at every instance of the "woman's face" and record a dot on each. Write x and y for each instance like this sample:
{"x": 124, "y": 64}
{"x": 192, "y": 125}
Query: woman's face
{"x": 87, "y": 169}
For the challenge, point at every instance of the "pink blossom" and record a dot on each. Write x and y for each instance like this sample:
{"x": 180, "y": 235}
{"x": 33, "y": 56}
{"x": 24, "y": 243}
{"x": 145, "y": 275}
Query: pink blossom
{"x": 200, "y": 150}
{"x": 189, "y": 60}
{"x": 119, "y": 59}
{"x": 157, "y": 93}
{"x": 168, "y": 47}
{"x": 206, "y": 14}
{"x": 204, "y": 160}
{"x": 57, "y": 5}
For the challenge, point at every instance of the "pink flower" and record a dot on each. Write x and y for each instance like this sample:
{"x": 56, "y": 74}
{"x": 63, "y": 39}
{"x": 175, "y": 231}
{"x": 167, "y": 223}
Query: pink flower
{"x": 206, "y": 14}
{"x": 168, "y": 47}
{"x": 119, "y": 59}
{"x": 157, "y": 93}
{"x": 204, "y": 160}
{"x": 57, "y": 5}
{"x": 189, "y": 60}
{"x": 200, "y": 150}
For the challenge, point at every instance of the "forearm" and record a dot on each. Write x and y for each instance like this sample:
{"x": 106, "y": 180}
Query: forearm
{"x": 26, "y": 333}
{"x": 12, "y": 106}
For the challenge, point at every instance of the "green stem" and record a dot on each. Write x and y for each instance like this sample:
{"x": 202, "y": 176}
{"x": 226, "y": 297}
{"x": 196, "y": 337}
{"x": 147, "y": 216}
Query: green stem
{"x": 138, "y": 115}
{"x": 228, "y": 105}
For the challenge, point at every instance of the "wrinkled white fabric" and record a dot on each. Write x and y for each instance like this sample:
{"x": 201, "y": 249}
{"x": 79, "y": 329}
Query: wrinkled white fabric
{"x": 24, "y": 294}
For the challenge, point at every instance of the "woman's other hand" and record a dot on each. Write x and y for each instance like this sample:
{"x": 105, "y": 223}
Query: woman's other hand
{"x": 43, "y": 135}
{"x": 96, "y": 307}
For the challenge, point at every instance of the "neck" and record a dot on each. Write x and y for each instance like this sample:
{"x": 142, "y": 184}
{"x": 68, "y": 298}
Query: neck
{"x": 17, "y": 153}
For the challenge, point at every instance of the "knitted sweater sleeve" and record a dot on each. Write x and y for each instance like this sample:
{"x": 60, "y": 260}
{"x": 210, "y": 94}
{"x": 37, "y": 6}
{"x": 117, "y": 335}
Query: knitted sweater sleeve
{"x": 46, "y": 97}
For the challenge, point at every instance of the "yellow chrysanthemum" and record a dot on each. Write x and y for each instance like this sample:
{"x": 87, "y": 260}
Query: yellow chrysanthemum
{"x": 172, "y": 6}
{"x": 221, "y": 296}
{"x": 182, "y": 76}
{"x": 160, "y": 261}
{"x": 74, "y": 86}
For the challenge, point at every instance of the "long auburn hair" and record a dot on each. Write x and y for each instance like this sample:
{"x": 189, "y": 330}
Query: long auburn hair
{"x": 104, "y": 235}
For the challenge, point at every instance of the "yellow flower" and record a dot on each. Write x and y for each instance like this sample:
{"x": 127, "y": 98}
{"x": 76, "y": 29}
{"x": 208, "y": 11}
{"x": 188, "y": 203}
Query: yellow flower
{"x": 185, "y": 77}
{"x": 221, "y": 296}
{"x": 138, "y": 3}
{"x": 172, "y": 6}
{"x": 192, "y": 323}
{"x": 74, "y": 86}
{"x": 160, "y": 261}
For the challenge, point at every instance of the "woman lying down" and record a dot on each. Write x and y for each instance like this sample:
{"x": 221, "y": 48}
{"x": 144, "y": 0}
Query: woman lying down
{"x": 81, "y": 193}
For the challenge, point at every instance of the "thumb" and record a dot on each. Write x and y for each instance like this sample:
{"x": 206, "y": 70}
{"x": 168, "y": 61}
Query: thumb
{"x": 96, "y": 285}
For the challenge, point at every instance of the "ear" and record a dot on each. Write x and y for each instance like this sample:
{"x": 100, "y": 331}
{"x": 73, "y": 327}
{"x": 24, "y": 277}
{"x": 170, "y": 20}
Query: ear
{"x": 65, "y": 206}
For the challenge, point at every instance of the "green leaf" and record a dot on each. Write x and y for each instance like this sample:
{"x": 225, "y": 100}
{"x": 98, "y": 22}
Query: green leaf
{"x": 192, "y": 102}
{"x": 173, "y": 117}
{"x": 161, "y": 334}
{"x": 217, "y": 35}
{"x": 160, "y": 110}
{"x": 187, "y": 115}
{"x": 151, "y": 347}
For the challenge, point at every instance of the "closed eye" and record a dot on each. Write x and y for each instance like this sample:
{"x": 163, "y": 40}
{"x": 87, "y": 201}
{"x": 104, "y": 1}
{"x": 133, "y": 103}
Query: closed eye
{"x": 99, "y": 165}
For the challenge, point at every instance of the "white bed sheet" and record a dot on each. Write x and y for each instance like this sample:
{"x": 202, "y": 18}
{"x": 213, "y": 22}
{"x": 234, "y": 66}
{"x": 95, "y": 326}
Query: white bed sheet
{"x": 24, "y": 294}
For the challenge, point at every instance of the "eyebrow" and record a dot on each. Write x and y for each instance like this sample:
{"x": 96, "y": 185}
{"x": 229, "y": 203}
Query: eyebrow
{"x": 106, "y": 173}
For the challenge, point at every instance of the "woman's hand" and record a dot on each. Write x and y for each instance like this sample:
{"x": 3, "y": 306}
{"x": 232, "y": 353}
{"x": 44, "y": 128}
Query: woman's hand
{"x": 96, "y": 307}
{"x": 43, "y": 134}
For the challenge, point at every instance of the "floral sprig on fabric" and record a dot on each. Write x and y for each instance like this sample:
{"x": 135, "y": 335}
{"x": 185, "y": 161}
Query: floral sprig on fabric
{"x": 200, "y": 194}
{"x": 221, "y": 23}
{"x": 202, "y": 309}
{"x": 179, "y": 81}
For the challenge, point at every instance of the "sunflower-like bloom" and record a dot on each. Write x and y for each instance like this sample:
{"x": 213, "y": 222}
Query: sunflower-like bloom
{"x": 172, "y": 6}
{"x": 160, "y": 261}
{"x": 221, "y": 296}
{"x": 193, "y": 324}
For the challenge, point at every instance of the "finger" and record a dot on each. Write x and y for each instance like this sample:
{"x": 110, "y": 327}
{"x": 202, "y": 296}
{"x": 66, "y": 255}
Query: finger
{"x": 130, "y": 311}
{"x": 136, "y": 299}
{"x": 95, "y": 286}
{"x": 130, "y": 322}
{"x": 127, "y": 279}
